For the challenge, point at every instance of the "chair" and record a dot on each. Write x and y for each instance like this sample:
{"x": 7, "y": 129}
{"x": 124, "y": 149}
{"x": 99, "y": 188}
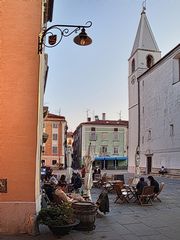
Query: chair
{"x": 145, "y": 198}
{"x": 119, "y": 177}
{"x": 157, "y": 194}
{"x": 130, "y": 181}
{"x": 120, "y": 195}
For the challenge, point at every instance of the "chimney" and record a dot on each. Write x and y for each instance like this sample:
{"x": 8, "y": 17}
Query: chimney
{"x": 104, "y": 116}
{"x": 88, "y": 119}
{"x": 96, "y": 118}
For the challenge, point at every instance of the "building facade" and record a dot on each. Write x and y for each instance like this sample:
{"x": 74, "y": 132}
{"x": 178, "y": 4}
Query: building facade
{"x": 53, "y": 153}
{"x": 154, "y": 84}
{"x": 22, "y": 88}
{"x": 107, "y": 140}
{"x": 160, "y": 115}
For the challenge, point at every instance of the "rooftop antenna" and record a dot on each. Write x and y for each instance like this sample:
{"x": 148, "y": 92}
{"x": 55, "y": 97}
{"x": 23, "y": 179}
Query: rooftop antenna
{"x": 87, "y": 113}
{"x": 59, "y": 112}
{"x": 119, "y": 115}
{"x": 144, "y": 6}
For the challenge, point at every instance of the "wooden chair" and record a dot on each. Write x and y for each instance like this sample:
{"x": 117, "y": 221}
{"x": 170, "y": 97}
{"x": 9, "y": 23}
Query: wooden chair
{"x": 130, "y": 181}
{"x": 119, "y": 177}
{"x": 120, "y": 193}
{"x": 156, "y": 195}
{"x": 145, "y": 198}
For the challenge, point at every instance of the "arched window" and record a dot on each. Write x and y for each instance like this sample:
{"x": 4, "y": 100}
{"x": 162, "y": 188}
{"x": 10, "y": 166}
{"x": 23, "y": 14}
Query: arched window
{"x": 149, "y": 61}
{"x": 133, "y": 65}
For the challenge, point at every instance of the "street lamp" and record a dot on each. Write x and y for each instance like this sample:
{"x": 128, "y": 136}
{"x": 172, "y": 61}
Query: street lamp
{"x": 65, "y": 31}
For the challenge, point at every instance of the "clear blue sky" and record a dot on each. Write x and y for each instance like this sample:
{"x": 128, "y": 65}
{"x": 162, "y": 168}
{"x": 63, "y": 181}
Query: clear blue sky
{"x": 95, "y": 77}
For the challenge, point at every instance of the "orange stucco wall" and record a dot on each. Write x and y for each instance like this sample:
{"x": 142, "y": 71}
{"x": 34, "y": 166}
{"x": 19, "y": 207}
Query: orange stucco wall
{"x": 20, "y": 25}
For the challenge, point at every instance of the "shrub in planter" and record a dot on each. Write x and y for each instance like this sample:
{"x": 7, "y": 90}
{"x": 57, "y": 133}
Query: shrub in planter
{"x": 60, "y": 218}
{"x": 57, "y": 215}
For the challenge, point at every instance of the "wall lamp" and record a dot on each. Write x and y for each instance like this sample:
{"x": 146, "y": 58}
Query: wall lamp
{"x": 65, "y": 31}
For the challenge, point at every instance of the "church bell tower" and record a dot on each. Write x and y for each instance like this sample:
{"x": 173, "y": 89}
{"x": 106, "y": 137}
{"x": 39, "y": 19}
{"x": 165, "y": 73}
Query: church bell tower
{"x": 145, "y": 53}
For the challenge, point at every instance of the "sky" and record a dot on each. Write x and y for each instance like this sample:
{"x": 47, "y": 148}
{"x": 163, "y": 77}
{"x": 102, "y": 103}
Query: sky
{"x": 84, "y": 81}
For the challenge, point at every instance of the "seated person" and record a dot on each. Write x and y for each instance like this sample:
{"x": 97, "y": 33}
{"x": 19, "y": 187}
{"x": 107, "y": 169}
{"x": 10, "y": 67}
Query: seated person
{"x": 77, "y": 183}
{"x": 63, "y": 179}
{"x": 60, "y": 192}
{"x": 140, "y": 185}
{"x": 53, "y": 180}
{"x": 97, "y": 170}
{"x": 49, "y": 189}
{"x": 162, "y": 170}
{"x": 154, "y": 183}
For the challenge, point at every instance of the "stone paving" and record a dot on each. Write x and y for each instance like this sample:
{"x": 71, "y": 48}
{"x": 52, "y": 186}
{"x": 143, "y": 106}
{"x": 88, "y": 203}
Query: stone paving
{"x": 129, "y": 221}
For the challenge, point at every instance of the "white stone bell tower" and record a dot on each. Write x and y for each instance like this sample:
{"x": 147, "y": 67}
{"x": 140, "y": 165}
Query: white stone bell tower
{"x": 145, "y": 53}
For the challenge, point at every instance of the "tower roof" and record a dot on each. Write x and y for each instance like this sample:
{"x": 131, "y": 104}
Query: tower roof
{"x": 144, "y": 36}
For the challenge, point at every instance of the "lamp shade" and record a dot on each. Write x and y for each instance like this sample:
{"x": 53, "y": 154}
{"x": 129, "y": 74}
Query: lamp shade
{"x": 82, "y": 39}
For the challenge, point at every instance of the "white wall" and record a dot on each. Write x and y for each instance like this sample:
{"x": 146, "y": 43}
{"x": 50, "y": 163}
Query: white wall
{"x": 161, "y": 101}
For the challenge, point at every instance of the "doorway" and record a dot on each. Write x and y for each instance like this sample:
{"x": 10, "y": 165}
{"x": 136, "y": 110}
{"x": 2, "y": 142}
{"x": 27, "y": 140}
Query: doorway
{"x": 149, "y": 164}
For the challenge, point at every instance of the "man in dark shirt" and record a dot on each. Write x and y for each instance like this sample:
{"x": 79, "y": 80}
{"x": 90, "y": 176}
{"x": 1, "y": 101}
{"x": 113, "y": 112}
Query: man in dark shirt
{"x": 140, "y": 185}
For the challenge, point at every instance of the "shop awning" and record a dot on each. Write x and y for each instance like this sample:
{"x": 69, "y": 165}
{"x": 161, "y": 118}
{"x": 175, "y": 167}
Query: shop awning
{"x": 112, "y": 158}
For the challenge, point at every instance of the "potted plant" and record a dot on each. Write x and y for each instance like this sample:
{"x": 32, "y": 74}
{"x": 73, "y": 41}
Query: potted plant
{"x": 59, "y": 218}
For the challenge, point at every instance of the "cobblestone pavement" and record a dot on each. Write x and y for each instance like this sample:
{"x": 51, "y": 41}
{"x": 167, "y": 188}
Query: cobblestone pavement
{"x": 129, "y": 221}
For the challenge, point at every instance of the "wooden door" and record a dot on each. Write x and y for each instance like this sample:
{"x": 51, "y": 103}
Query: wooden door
{"x": 149, "y": 164}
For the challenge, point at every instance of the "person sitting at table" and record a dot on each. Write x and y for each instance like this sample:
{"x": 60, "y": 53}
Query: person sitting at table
{"x": 154, "y": 183}
{"x": 140, "y": 185}
{"x": 60, "y": 192}
{"x": 63, "y": 179}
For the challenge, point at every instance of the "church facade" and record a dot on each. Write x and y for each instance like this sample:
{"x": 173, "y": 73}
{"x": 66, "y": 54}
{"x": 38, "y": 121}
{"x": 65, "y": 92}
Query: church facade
{"x": 154, "y": 104}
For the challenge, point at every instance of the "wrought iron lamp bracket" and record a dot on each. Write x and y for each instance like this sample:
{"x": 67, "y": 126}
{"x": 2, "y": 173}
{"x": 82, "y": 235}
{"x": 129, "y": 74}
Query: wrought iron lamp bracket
{"x": 63, "y": 30}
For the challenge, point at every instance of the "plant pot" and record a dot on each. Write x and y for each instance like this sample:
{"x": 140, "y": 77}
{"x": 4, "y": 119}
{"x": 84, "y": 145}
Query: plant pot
{"x": 63, "y": 230}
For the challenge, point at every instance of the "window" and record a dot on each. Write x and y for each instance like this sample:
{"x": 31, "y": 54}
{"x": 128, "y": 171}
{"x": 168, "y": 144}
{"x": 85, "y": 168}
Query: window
{"x": 133, "y": 65}
{"x": 171, "y": 129}
{"x": 43, "y": 149}
{"x": 92, "y": 136}
{"x": 54, "y": 149}
{"x": 55, "y": 125}
{"x": 143, "y": 109}
{"x": 104, "y": 150}
{"x": 142, "y": 139}
{"x": 116, "y": 150}
{"x": 104, "y": 136}
{"x": 149, "y": 61}
{"x": 54, "y": 162}
{"x": 55, "y": 136}
{"x": 176, "y": 70}
{"x": 115, "y": 129}
{"x": 149, "y": 135}
{"x": 115, "y": 136}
